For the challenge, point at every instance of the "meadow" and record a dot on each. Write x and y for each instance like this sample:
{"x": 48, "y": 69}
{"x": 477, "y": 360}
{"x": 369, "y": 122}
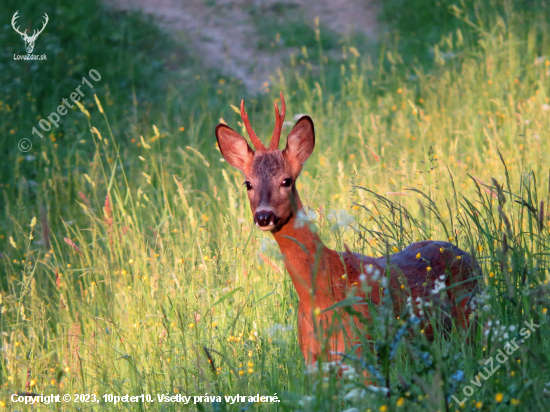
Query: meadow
{"x": 130, "y": 263}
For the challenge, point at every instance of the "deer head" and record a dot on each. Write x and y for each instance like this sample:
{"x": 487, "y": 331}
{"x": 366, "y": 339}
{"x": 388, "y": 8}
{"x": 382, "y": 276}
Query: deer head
{"x": 270, "y": 174}
{"x": 29, "y": 40}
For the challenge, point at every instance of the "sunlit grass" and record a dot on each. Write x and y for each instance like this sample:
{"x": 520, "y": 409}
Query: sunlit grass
{"x": 158, "y": 281}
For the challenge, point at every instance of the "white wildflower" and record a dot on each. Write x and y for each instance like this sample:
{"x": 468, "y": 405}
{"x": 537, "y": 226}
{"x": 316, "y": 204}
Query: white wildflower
{"x": 348, "y": 372}
{"x": 311, "y": 369}
{"x": 438, "y": 287}
{"x": 267, "y": 243}
{"x": 331, "y": 366}
{"x": 376, "y": 389}
{"x": 305, "y": 217}
{"x": 306, "y": 401}
{"x": 278, "y": 329}
{"x": 341, "y": 218}
{"x": 354, "y": 394}
{"x": 410, "y": 308}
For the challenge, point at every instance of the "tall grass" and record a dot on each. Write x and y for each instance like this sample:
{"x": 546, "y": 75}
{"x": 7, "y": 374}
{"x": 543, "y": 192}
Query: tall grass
{"x": 155, "y": 280}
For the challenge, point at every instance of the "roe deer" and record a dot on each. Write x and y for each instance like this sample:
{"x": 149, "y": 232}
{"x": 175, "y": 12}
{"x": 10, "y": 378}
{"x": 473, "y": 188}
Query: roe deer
{"x": 321, "y": 276}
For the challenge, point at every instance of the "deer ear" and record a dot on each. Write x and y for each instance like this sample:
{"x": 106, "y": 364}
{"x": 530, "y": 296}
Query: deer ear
{"x": 234, "y": 148}
{"x": 300, "y": 144}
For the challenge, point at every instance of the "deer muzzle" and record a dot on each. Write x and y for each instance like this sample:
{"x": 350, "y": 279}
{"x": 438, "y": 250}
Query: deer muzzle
{"x": 265, "y": 219}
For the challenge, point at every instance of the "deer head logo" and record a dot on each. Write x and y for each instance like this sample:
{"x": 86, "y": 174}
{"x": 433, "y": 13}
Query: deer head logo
{"x": 29, "y": 40}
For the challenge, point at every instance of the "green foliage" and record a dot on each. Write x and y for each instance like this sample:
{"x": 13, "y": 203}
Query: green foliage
{"x": 295, "y": 32}
{"x": 130, "y": 264}
{"x": 419, "y": 25}
{"x": 137, "y": 63}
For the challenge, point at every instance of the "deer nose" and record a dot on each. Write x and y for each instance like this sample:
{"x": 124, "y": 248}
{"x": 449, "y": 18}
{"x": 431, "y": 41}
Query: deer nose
{"x": 265, "y": 218}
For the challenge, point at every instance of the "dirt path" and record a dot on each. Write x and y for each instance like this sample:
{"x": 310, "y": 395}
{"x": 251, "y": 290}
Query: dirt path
{"x": 224, "y": 33}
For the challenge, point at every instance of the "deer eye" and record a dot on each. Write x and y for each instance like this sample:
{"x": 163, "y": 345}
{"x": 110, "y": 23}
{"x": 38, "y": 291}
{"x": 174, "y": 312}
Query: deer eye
{"x": 287, "y": 182}
{"x": 248, "y": 185}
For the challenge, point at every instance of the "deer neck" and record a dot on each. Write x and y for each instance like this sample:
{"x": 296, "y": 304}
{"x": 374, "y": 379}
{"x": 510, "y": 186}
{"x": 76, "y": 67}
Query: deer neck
{"x": 307, "y": 259}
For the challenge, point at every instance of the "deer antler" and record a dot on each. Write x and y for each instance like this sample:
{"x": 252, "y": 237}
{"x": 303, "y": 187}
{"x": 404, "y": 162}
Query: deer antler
{"x": 35, "y": 33}
{"x": 279, "y": 119}
{"x": 257, "y": 142}
{"x": 13, "y": 21}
